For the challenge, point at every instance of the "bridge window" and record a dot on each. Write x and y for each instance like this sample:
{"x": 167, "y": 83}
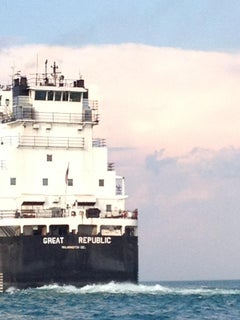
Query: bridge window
{"x": 57, "y": 96}
{"x": 65, "y": 96}
{"x": 75, "y": 96}
{"x": 50, "y": 95}
{"x": 40, "y": 95}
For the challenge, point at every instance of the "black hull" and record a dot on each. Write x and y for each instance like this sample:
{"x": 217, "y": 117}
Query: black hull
{"x": 33, "y": 261}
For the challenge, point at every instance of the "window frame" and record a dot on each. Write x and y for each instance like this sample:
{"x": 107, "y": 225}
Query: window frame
{"x": 45, "y": 182}
{"x": 13, "y": 181}
{"x": 101, "y": 182}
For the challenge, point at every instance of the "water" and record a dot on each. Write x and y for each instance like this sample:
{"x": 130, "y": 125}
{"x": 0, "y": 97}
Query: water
{"x": 165, "y": 300}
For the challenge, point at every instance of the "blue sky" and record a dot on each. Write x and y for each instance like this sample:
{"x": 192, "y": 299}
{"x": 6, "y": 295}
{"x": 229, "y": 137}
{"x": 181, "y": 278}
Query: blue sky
{"x": 166, "y": 74}
{"x": 188, "y": 24}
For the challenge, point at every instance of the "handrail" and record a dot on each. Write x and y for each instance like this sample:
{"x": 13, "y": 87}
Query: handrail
{"x": 22, "y": 114}
{"x": 48, "y": 213}
{"x": 89, "y": 114}
{"x": 43, "y": 141}
{"x": 98, "y": 142}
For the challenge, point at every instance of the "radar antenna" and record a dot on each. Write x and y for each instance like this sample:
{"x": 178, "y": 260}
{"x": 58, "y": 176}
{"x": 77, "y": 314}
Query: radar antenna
{"x": 54, "y": 74}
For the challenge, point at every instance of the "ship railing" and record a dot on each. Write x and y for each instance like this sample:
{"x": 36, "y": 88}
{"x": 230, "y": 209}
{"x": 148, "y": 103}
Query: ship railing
{"x": 40, "y": 81}
{"x": 9, "y": 140}
{"x": 4, "y": 214}
{"x": 88, "y": 115}
{"x": 90, "y": 104}
{"x": 3, "y": 164}
{"x": 35, "y": 213}
{"x": 48, "y": 213}
{"x": 43, "y": 141}
{"x": 98, "y": 142}
{"x": 119, "y": 190}
{"x": 111, "y": 166}
{"x": 58, "y": 117}
{"x": 125, "y": 214}
{"x": 55, "y": 117}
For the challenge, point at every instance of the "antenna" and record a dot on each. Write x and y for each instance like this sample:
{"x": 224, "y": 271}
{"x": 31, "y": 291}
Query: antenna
{"x": 54, "y": 67}
{"x": 46, "y": 78}
{"x": 36, "y": 71}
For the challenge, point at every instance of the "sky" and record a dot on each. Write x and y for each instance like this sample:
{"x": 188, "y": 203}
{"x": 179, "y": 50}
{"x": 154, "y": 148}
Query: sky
{"x": 166, "y": 74}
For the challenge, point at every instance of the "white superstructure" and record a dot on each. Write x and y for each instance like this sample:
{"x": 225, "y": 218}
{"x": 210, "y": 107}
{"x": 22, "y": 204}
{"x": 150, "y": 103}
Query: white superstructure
{"x": 50, "y": 163}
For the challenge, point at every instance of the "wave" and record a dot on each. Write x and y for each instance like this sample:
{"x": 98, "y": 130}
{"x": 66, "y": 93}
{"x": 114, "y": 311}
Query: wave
{"x": 135, "y": 289}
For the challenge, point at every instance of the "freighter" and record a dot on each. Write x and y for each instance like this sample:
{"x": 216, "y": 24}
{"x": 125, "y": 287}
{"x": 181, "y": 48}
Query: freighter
{"x": 62, "y": 205}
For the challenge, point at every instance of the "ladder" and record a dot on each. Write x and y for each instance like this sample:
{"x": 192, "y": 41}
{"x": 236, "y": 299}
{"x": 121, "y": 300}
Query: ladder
{"x": 1, "y": 282}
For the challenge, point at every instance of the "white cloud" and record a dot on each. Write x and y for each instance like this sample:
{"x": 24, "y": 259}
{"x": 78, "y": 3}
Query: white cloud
{"x": 189, "y": 226}
{"x": 175, "y": 116}
{"x": 156, "y": 97}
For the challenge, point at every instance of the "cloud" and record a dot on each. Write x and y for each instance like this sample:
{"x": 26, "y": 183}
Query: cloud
{"x": 156, "y": 97}
{"x": 189, "y": 227}
{"x": 171, "y": 118}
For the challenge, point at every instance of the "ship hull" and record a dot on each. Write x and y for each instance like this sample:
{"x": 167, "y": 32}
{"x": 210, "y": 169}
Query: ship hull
{"x": 33, "y": 261}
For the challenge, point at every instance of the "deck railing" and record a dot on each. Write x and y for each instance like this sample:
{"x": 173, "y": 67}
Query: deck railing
{"x": 99, "y": 142}
{"x": 56, "y": 117}
{"x": 3, "y": 164}
{"x": 48, "y": 213}
{"x": 89, "y": 114}
{"x": 43, "y": 141}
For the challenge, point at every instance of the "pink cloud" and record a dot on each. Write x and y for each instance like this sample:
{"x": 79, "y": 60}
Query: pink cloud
{"x": 176, "y": 100}
{"x": 149, "y": 97}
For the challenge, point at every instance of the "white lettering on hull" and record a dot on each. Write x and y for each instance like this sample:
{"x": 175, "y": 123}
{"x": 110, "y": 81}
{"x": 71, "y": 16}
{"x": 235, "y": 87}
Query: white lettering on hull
{"x": 95, "y": 240}
{"x": 81, "y": 240}
{"x": 53, "y": 240}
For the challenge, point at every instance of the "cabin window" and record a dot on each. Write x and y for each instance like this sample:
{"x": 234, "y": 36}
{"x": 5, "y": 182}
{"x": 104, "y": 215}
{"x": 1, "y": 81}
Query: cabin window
{"x": 10, "y": 231}
{"x": 111, "y": 230}
{"x": 65, "y": 96}
{"x": 70, "y": 182}
{"x": 40, "y": 95}
{"x": 58, "y": 230}
{"x": 101, "y": 182}
{"x": 13, "y": 181}
{"x": 34, "y": 230}
{"x": 87, "y": 230}
{"x": 130, "y": 231}
{"x": 57, "y": 96}
{"x": 50, "y": 95}
{"x": 49, "y": 157}
{"x": 45, "y": 181}
{"x": 75, "y": 96}
{"x": 109, "y": 208}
